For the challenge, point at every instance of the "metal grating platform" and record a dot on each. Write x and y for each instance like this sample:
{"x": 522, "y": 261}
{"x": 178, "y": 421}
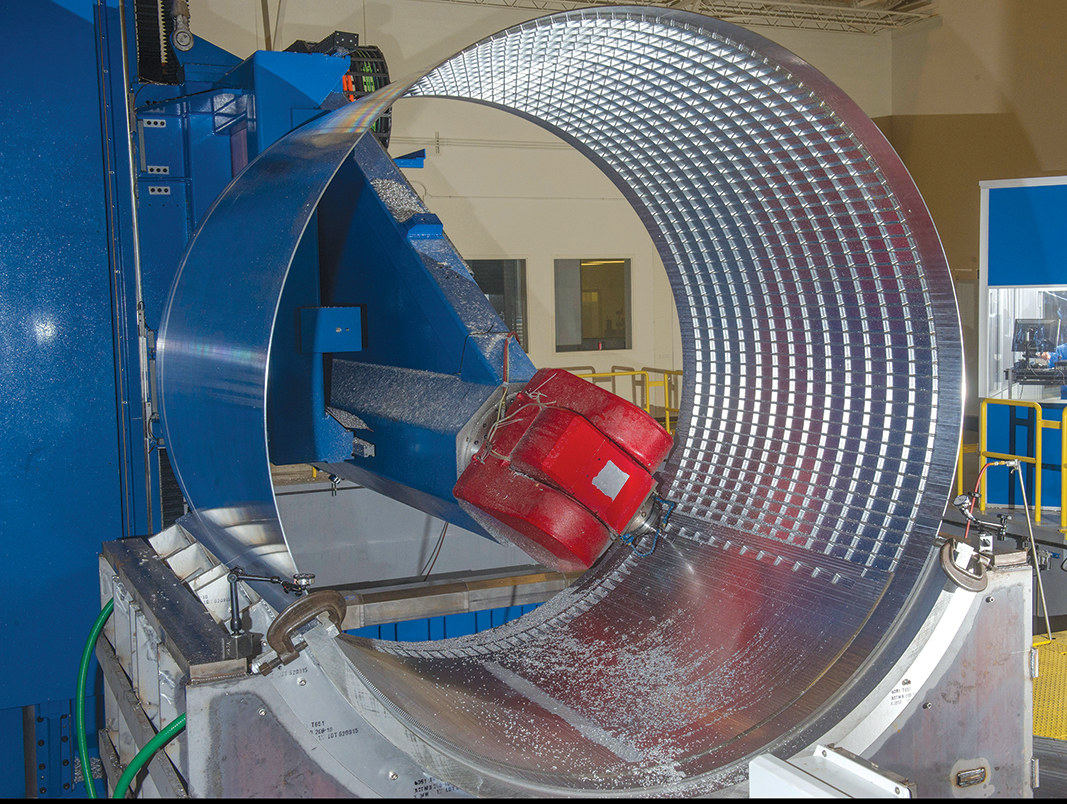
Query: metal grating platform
{"x": 1050, "y": 688}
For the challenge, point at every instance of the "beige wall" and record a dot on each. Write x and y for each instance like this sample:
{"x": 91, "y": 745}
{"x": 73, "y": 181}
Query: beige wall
{"x": 976, "y": 93}
{"x": 504, "y": 187}
{"x": 413, "y": 34}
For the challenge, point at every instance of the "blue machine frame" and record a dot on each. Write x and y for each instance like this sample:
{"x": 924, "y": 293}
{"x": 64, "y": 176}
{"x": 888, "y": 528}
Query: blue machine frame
{"x": 85, "y": 272}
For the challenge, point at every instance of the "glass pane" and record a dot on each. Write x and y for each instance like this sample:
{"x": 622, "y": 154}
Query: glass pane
{"x": 568, "y": 305}
{"x": 1025, "y": 325}
{"x": 504, "y": 284}
{"x": 592, "y": 304}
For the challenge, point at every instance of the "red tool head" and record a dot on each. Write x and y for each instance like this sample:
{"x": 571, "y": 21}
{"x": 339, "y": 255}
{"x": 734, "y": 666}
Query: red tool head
{"x": 566, "y": 468}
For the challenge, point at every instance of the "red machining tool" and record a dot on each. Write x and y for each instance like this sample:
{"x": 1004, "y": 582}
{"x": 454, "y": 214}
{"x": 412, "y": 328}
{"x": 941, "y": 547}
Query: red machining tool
{"x": 568, "y": 466}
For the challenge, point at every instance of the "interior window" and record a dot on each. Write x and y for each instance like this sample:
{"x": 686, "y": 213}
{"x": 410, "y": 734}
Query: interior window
{"x": 504, "y": 284}
{"x": 592, "y": 305}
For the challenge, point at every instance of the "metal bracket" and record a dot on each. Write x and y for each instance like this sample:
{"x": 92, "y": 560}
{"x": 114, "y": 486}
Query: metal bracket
{"x": 298, "y": 586}
{"x": 283, "y": 629}
{"x": 972, "y": 580}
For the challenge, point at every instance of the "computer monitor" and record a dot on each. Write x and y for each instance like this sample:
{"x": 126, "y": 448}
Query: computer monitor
{"x": 1035, "y": 335}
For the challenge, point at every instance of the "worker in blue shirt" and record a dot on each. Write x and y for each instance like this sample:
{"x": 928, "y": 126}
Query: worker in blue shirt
{"x": 1058, "y": 355}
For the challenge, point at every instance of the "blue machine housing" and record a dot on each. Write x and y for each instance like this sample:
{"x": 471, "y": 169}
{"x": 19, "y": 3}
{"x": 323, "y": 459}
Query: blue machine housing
{"x": 95, "y": 218}
{"x": 435, "y": 349}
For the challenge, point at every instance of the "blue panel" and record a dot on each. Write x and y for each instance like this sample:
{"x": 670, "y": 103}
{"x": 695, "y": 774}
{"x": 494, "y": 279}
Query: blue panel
{"x": 413, "y": 631}
{"x": 286, "y": 81}
{"x": 59, "y": 448}
{"x": 447, "y": 627}
{"x": 54, "y": 747}
{"x": 54, "y": 729}
{"x": 483, "y": 621}
{"x": 298, "y": 428}
{"x": 331, "y": 329}
{"x": 457, "y": 625}
{"x": 1010, "y": 431}
{"x": 415, "y": 159}
{"x": 210, "y": 166}
{"x": 12, "y": 755}
{"x": 1028, "y": 235}
{"x": 205, "y": 61}
{"x": 437, "y": 628}
{"x": 163, "y": 208}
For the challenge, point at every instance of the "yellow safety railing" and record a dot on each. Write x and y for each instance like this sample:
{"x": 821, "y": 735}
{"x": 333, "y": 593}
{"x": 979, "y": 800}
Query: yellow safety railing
{"x": 670, "y": 388}
{"x": 1041, "y": 424}
{"x": 613, "y": 374}
{"x": 643, "y": 379}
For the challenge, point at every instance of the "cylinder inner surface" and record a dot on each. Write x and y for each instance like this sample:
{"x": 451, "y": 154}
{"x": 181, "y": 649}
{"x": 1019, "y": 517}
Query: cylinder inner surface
{"x": 821, "y": 413}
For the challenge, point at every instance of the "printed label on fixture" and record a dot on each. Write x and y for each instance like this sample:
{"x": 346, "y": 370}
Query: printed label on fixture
{"x": 610, "y": 480}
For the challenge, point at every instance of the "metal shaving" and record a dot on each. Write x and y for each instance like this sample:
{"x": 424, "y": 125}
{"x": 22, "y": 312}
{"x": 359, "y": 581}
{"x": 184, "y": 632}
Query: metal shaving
{"x": 398, "y": 197}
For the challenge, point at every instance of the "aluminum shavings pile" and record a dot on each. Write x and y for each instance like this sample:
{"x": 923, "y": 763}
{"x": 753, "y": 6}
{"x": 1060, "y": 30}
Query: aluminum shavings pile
{"x": 398, "y": 197}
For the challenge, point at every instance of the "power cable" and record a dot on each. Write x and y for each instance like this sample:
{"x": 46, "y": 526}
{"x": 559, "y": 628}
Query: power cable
{"x": 425, "y": 572}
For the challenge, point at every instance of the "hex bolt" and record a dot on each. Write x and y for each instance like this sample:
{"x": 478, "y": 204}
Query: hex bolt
{"x": 927, "y": 705}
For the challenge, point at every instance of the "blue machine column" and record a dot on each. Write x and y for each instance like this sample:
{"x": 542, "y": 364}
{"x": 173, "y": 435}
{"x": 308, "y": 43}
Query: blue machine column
{"x": 61, "y": 455}
{"x": 95, "y": 212}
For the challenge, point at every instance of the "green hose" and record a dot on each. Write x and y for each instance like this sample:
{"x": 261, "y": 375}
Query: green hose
{"x": 145, "y": 754}
{"x": 79, "y": 701}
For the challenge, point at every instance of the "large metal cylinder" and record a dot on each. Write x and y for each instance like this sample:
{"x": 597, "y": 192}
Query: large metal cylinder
{"x": 821, "y": 413}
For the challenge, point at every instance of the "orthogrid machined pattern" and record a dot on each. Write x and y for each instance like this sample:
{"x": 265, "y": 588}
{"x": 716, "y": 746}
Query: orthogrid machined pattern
{"x": 813, "y": 342}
